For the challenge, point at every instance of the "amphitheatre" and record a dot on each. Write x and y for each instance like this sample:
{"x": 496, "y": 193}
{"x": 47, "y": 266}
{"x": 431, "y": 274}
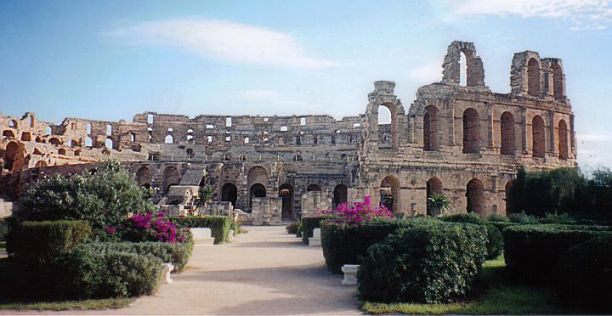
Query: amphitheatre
{"x": 462, "y": 140}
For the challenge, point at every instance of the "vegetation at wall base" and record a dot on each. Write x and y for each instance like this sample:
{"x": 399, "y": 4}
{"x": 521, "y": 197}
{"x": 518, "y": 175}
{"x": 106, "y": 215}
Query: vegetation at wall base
{"x": 58, "y": 306}
{"x": 495, "y": 295}
{"x": 533, "y": 252}
{"x": 430, "y": 261}
{"x": 292, "y": 228}
{"x": 495, "y": 241}
{"x": 219, "y": 225}
{"x": 308, "y": 225}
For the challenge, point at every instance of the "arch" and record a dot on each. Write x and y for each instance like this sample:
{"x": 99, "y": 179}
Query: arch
{"x": 55, "y": 141}
{"x": 229, "y": 193}
{"x": 88, "y": 128}
{"x": 563, "y": 146}
{"x": 144, "y": 177}
{"x": 13, "y": 157}
{"x": 463, "y": 69}
{"x": 8, "y": 134}
{"x": 132, "y": 137}
{"x": 256, "y": 190}
{"x": 77, "y": 152}
{"x": 38, "y": 139}
{"x": 40, "y": 164}
{"x": 170, "y": 177}
{"x": 13, "y": 124}
{"x": 169, "y": 139}
{"x": 557, "y": 80}
{"x": 390, "y": 193}
{"x": 298, "y": 158}
{"x": 189, "y": 152}
{"x": 62, "y": 151}
{"x": 388, "y": 118}
{"x": 430, "y": 129}
{"x": 88, "y": 142}
{"x": 109, "y": 130}
{"x": 285, "y": 192}
{"x": 434, "y": 186}
{"x": 475, "y": 197}
{"x": 257, "y": 174}
{"x": 26, "y": 137}
{"x": 48, "y": 130}
{"x": 533, "y": 77}
{"x": 507, "y": 134}
{"x": 108, "y": 143}
{"x": 340, "y": 194}
{"x": 471, "y": 131}
{"x": 538, "y": 137}
{"x": 313, "y": 187}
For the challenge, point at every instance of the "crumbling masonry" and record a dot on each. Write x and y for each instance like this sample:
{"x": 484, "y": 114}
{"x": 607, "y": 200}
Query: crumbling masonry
{"x": 464, "y": 141}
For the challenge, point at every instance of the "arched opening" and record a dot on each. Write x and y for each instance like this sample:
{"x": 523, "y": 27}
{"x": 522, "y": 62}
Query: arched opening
{"x": 48, "y": 130}
{"x": 313, "y": 187}
{"x": 298, "y": 140}
{"x": 62, "y": 151}
{"x": 88, "y": 142}
{"x": 507, "y": 195}
{"x": 108, "y": 143}
{"x": 507, "y": 134}
{"x": 434, "y": 186}
{"x": 257, "y": 190}
{"x": 386, "y": 126}
{"x": 132, "y": 137}
{"x": 8, "y": 134}
{"x": 340, "y": 194}
{"x": 109, "y": 130}
{"x": 229, "y": 193}
{"x": 285, "y": 192}
{"x": 430, "y": 129}
{"x": 189, "y": 153}
{"x": 170, "y": 177}
{"x": 475, "y": 197}
{"x": 533, "y": 77}
{"x": 538, "y": 137}
{"x": 563, "y": 147}
{"x": 298, "y": 158}
{"x": 54, "y": 141}
{"x": 463, "y": 69}
{"x": 144, "y": 177}
{"x": 88, "y": 128}
{"x": 13, "y": 124}
{"x": 38, "y": 139}
{"x": 471, "y": 134}
{"x": 12, "y": 157}
{"x": 40, "y": 164}
{"x": 169, "y": 139}
{"x": 389, "y": 193}
{"x": 557, "y": 81}
{"x": 77, "y": 152}
{"x": 26, "y": 137}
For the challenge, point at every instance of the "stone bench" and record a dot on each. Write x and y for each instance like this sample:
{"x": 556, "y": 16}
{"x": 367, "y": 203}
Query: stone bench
{"x": 350, "y": 274}
{"x": 202, "y": 235}
{"x": 315, "y": 240}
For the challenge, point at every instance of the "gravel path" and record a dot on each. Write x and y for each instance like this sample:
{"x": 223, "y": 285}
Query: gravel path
{"x": 265, "y": 271}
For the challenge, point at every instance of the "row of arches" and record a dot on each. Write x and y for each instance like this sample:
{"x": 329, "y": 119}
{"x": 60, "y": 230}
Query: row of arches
{"x": 471, "y": 133}
{"x": 534, "y": 83}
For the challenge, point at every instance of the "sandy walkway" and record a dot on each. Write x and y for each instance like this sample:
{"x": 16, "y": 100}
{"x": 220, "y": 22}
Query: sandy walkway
{"x": 265, "y": 271}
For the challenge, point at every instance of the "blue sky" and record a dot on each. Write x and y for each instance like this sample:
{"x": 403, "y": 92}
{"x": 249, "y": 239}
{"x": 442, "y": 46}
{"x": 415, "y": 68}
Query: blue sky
{"x": 112, "y": 59}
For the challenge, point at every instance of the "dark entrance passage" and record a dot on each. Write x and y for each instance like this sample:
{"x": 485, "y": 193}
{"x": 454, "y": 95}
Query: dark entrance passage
{"x": 229, "y": 193}
{"x": 285, "y": 192}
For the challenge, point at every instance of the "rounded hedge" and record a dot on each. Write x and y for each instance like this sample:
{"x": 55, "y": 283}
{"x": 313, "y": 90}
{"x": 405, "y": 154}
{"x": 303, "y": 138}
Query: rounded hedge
{"x": 533, "y": 252}
{"x": 427, "y": 262}
{"x": 585, "y": 275}
{"x": 495, "y": 241}
{"x": 308, "y": 225}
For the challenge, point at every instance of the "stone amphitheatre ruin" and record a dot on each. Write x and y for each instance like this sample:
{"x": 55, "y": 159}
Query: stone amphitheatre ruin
{"x": 462, "y": 140}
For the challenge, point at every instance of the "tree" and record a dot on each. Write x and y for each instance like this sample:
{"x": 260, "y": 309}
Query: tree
{"x": 104, "y": 198}
{"x": 438, "y": 203}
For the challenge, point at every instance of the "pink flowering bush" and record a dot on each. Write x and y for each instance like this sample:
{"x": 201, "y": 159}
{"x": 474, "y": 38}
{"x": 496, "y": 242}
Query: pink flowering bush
{"x": 150, "y": 227}
{"x": 360, "y": 212}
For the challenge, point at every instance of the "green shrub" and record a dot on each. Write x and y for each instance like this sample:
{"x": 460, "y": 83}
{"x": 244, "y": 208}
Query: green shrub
{"x": 309, "y": 224}
{"x": 292, "y": 228}
{"x": 427, "y": 262}
{"x": 522, "y": 218}
{"x": 111, "y": 274}
{"x": 553, "y": 218}
{"x": 178, "y": 254}
{"x": 585, "y": 275}
{"x": 495, "y": 241}
{"x": 103, "y": 199}
{"x": 344, "y": 244}
{"x": 497, "y": 218}
{"x": 4, "y": 229}
{"x": 532, "y": 252}
{"x": 501, "y": 225}
{"x": 40, "y": 242}
{"x": 219, "y": 225}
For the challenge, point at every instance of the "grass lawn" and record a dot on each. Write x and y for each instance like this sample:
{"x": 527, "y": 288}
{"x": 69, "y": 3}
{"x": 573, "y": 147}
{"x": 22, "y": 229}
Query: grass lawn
{"x": 497, "y": 296}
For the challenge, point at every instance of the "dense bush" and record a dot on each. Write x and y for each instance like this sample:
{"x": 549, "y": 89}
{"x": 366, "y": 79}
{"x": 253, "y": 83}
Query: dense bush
{"x": 178, "y": 254}
{"x": 41, "y": 242}
{"x": 532, "y": 252}
{"x": 495, "y": 241}
{"x": 427, "y": 262}
{"x": 585, "y": 275}
{"x": 344, "y": 244}
{"x": 553, "y": 218}
{"x": 523, "y": 218}
{"x": 149, "y": 227}
{"x": 104, "y": 198}
{"x": 293, "y": 228}
{"x": 219, "y": 225}
{"x": 4, "y": 229}
{"x": 308, "y": 224}
{"x": 111, "y": 274}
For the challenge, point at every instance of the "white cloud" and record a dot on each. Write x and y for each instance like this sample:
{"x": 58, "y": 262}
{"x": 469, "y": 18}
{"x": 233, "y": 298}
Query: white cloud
{"x": 583, "y": 14}
{"x": 594, "y": 137}
{"x": 223, "y": 40}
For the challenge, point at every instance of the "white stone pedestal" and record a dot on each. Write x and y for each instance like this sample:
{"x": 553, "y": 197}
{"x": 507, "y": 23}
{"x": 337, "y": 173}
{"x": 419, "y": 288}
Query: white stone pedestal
{"x": 315, "y": 240}
{"x": 202, "y": 235}
{"x": 350, "y": 274}
{"x": 168, "y": 267}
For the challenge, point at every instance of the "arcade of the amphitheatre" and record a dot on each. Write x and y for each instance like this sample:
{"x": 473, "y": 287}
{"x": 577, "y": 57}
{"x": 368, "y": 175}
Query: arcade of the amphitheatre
{"x": 462, "y": 140}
